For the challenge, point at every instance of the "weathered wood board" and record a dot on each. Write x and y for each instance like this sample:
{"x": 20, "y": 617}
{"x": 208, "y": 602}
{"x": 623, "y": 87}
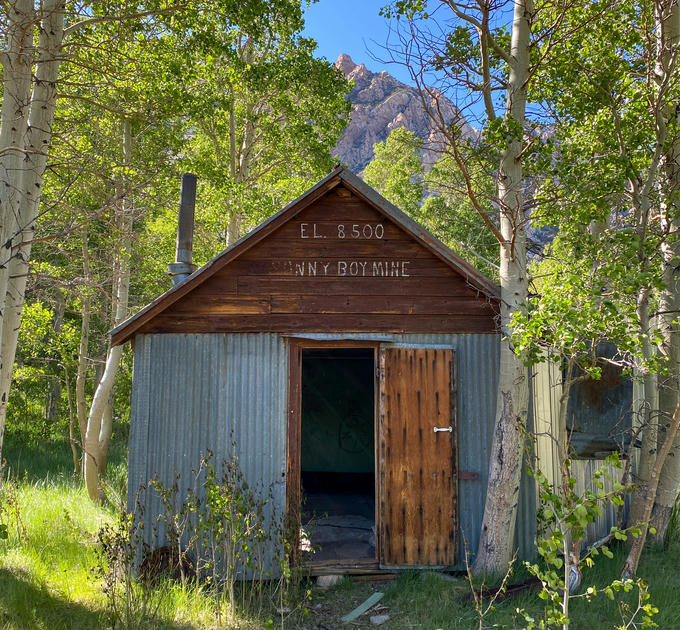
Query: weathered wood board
{"x": 338, "y": 265}
{"x": 418, "y": 489}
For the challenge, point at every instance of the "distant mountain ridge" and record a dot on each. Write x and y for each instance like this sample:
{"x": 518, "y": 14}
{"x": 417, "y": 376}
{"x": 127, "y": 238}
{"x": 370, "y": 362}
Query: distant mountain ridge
{"x": 380, "y": 104}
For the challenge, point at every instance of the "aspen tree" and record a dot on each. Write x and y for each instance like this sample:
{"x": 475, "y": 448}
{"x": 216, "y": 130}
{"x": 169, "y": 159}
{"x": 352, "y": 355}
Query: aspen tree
{"x": 473, "y": 54}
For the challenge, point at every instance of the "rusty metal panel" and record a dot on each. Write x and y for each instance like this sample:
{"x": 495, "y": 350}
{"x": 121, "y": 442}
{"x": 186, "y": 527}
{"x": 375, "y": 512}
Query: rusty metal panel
{"x": 417, "y": 465}
{"x": 198, "y": 393}
{"x": 544, "y": 400}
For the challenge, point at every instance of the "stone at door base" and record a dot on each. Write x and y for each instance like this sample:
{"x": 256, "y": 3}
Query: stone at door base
{"x": 326, "y": 581}
{"x": 378, "y": 620}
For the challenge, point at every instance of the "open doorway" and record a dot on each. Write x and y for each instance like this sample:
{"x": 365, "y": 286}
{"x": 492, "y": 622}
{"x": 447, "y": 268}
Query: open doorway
{"x": 337, "y": 455}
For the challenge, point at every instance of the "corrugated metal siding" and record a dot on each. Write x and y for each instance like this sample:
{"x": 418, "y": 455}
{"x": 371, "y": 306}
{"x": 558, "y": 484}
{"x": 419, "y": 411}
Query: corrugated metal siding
{"x": 583, "y": 471}
{"x": 546, "y": 390}
{"x": 525, "y": 532}
{"x": 194, "y": 392}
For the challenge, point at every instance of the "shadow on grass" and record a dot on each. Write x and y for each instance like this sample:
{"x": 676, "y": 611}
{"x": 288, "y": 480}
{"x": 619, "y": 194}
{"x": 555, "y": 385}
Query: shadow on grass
{"x": 24, "y": 604}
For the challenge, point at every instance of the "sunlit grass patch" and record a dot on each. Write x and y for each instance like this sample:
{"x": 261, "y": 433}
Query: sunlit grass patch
{"x": 45, "y": 563}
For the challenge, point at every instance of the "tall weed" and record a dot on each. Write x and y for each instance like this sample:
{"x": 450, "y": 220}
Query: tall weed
{"x": 220, "y": 535}
{"x": 131, "y": 603}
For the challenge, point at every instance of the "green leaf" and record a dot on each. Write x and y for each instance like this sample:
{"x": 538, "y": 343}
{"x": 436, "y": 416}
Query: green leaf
{"x": 581, "y": 513}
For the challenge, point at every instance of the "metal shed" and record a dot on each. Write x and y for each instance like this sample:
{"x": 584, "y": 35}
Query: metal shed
{"x": 351, "y": 359}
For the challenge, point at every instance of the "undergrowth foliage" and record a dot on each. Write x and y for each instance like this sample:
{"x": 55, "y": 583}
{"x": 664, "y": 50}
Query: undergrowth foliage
{"x": 563, "y": 518}
{"x": 562, "y": 521}
{"x": 130, "y": 603}
{"x": 220, "y": 535}
{"x": 9, "y": 510}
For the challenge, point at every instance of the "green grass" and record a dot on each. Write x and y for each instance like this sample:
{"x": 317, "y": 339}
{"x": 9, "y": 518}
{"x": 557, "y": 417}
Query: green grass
{"x": 431, "y": 602}
{"x": 45, "y": 565}
{"x": 48, "y": 568}
{"x": 428, "y": 601}
{"x": 51, "y": 460}
{"x": 47, "y": 577}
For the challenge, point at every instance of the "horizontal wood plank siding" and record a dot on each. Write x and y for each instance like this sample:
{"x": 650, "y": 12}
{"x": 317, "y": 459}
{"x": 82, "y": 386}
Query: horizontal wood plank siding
{"x": 385, "y": 249}
{"x": 314, "y": 267}
{"x": 332, "y": 287}
{"x": 339, "y": 265}
{"x": 321, "y": 323}
{"x": 380, "y": 304}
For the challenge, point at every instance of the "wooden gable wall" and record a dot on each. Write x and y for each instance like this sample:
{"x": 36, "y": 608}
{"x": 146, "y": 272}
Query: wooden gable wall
{"x": 338, "y": 266}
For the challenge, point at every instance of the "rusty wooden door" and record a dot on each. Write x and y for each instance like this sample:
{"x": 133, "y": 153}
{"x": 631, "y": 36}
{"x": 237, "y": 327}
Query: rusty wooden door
{"x": 417, "y": 457}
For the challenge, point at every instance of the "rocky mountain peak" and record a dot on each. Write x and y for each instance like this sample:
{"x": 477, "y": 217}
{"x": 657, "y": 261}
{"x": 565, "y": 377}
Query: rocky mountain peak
{"x": 380, "y": 104}
{"x": 345, "y": 64}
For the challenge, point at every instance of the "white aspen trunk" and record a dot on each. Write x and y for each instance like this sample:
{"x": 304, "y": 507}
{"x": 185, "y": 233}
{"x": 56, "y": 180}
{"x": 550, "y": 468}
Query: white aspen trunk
{"x": 668, "y": 41}
{"x": 646, "y": 420}
{"x": 98, "y": 432}
{"x": 240, "y": 175}
{"x": 29, "y": 129}
{"x": 234, "y": 220}
{"x": 81, "y": 374}
{"x": 669, "y": 479}
{"x": 232, "y": 134}
{"x": 106, "y": 429}
{"x": 630, "y": 566}
{"x": 17, "y": 68}
{"x": 233, "y": 228}
{"x": 500, "y": 511}
{"x": 92, "y": 449}
{"x": 105, "y": 433}
{"x": 240, "y": 158}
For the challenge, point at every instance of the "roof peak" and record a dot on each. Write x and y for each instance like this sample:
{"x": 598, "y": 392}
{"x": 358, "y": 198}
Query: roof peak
{"x": 338, "y": 176}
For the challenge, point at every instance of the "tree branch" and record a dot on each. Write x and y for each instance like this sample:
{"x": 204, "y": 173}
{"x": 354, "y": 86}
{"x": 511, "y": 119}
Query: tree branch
{"x": 130, "y": 16}
{"x": 480, "y": 26}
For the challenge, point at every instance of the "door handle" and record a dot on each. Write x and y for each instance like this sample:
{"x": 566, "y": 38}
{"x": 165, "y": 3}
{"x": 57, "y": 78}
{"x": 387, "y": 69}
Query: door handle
{"x": 449, "y": 429}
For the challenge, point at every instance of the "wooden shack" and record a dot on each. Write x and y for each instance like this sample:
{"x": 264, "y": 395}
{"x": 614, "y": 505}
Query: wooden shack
{"x": 352, "y": 360}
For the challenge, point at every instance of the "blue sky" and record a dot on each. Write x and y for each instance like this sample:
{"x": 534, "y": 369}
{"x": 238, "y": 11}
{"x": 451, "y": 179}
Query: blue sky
{"x": 353, "y": 27}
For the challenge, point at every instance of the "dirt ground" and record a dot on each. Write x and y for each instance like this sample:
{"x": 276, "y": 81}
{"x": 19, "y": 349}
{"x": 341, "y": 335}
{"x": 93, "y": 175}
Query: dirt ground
{"x": 329, "y": 605}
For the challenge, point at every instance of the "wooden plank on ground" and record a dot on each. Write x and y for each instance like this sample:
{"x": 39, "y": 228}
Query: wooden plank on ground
{"x": 362, "y": 608}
